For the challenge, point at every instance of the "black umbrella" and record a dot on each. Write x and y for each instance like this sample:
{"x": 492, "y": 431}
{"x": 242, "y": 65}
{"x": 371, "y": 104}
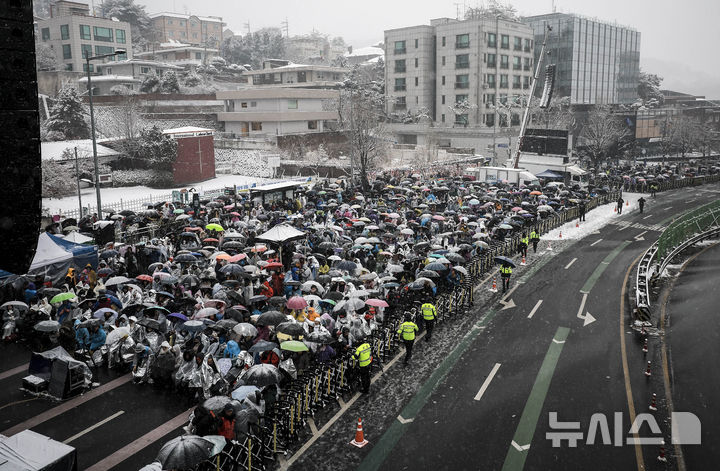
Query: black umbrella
{"x": 109, "y": 254}
{"x": 149, "y": 323}
{"x": 216, "y": 403}
{"x": 263, "y": 346}
{"x": 105, "y": 272}
{"x": 185, "y": 258}
{"x": 47, "y": 326}
{"x": 190, "y": 281}
{"x": 271, "y": 318}
{"x": 323, "y": 338}
{"x": 232, "y": 269}
{"x": 346, "y": 265}
{"x": 185, "y": 451}
{"x": 277, "y": 300}
{"x": 258, "y": 297}
{"x": 290, "y": 328}
{"x": 334, "y": 295}
{"x": 504, "y": 261}
{"x": 226, "y": 324}
{"x": 261, "y": 375}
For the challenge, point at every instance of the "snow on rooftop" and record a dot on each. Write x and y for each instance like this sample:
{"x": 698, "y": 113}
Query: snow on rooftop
{"x": 213, "y": 19}
{"x": 110, "y": 78}
{"x": 54, "y": 150}
{"x": 366, "y": 51}
{"x": 187, "y": 130}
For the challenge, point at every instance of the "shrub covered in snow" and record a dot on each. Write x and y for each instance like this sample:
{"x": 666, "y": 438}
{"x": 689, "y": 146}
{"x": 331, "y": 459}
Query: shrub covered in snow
{"x": 145, "y": 177}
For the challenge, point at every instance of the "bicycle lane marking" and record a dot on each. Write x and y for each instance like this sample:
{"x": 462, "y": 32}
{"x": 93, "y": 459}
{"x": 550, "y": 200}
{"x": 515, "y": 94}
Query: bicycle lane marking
{"x": 517, "y": 453}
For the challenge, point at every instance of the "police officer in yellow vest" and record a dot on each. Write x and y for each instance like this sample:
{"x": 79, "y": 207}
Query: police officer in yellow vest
{"x": 505, "y": 273}
{"x": 363, "y": 357}
{"x": 407, "y": 331}
{"x": 429, "y": 316}
{"x": 534, "y": 239}
{"x": 524, "y": 242}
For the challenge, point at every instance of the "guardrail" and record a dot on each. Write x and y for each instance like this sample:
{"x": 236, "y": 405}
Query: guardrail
{"x": 690, "y": 228}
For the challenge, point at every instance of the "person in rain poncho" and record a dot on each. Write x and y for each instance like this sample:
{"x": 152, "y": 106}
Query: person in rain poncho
{"x": 97, "y": 337}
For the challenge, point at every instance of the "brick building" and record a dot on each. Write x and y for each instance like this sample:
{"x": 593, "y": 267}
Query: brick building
{"x": 195, "y": 154}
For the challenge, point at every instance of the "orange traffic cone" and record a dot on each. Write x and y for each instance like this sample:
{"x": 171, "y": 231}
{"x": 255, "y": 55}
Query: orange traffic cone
{"x": 645, "y": 346}
{"x": 577, "y": 224}
{"x": 615, "y": 209}
{"x": 560, "y": 236}
{"x": 359, "y": 436}
{"x": 523, "y": 261}
{"x": 627, "y": 203}
{"x": 647, "y": 370}
{"x": 653, "y": 404}
{"x": 661, "y": 456}
{"x": 494, "y": 286}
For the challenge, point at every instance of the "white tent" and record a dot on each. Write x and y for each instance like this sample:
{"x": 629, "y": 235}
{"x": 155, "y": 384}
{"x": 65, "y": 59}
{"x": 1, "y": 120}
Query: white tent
{"x": 281, "y": 233}
{"x": 76, "y": 237}
{"x": 49, "y": 253}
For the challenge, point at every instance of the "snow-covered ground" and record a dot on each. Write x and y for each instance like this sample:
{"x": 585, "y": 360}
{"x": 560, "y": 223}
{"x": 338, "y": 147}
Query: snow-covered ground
{"x": 114, "y": 195}
{"x": 594, "y": 219}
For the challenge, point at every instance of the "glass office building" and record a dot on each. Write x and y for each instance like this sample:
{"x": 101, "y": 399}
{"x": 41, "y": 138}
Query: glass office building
{"x": 597, "y": 63}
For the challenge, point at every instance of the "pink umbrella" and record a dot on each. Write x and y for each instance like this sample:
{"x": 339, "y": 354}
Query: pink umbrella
{"x": 237, "y": 258}
{"x": 206, "y": 312}
{"x": 376, "y": 303}
{"x": 437, "y": 217}
{"x": 297, "y": 302}
{"x": 516, "y": 209}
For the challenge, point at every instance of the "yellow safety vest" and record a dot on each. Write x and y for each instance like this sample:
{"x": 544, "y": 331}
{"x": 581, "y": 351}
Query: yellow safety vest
{"x": 506, "y": 270}
{"x": 407, "y": 330}
{"x": 428, "y": 311}
{"x": 364, "y": 354}
{"x": 524, "y": 240}
{"x": 534, "y": 235}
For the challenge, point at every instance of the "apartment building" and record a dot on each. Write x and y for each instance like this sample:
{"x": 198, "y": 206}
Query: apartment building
{"x": 189, "y": 29}
{"x": 283, "y": 73}
{"x": 74, "y": 35}
{"x": 276, "y": 111}
{"x": 457, "y": 69}
{"x": 183, "y": 55}
{"x": 597, "y": 62}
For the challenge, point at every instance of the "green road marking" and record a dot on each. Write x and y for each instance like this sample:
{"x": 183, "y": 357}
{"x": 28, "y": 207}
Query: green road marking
{"x": 515, "y": 459}
{"x": 394, "y": 433}
{"x": 587, "y": 287}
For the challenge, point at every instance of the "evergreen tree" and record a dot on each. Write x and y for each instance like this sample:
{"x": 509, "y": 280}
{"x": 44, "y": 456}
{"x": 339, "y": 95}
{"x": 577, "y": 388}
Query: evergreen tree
{"x": 67, "y": 115}
{"x": 140, "y": 23}
{"x": 150, "y": 84}
{"x": 169, "y": 83}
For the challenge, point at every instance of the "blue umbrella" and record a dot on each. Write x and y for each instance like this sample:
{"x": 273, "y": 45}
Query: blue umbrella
{"x": 179, "y": 316}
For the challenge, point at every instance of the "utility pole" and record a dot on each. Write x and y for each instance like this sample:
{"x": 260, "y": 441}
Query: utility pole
{"x": 285, "y": 26}
{"x": 77, "y": 180}
{"x": 247, "y": 27}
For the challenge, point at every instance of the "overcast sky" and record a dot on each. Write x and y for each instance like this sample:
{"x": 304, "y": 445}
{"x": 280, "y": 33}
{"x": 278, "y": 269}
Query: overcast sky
{"x": 679, "y": 38}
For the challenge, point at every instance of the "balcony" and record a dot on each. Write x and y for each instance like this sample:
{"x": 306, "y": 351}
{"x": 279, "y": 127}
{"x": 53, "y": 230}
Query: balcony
{"x": 527, "y": 68}
{"x": 516, "y": 86}
{"x": 517, "y": 67}
{"x": 492, "y": 44}
{"x": 399, "y": 51}
{"x": 492, "y": 64}
{"x": 400, "y": 70}
{"x": 527, "y": 49}
{"x": 504, "y": 65}
{"x": 399, "y": 107}
{"x": 461, "y": 85}
{"x": 517, "y": 48}
{"x": 462, "y": 65}
{"x": 503, "y": 84}
{"x": 462, "y": 45}
{"x": 400, "y": 88}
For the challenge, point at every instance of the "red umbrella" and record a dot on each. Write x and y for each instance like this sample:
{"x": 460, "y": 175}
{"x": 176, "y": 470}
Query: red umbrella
{"x": 376, "y": 303}
{"x": 144, "y": 278}
{"x": 211, "y": 239}
{"x": 297, "y": 302}
{"x": 273, "y": 265}
{"x": 235, "y": 213}
{"x": 237, "y": 258}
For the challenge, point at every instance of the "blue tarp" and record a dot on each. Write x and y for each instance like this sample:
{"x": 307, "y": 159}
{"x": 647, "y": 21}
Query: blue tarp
{"x": 82, "y": 254}
{"x": 548, "y": 174}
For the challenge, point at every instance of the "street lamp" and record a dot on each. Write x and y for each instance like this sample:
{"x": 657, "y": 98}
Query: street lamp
{"x": 92, "y": 124}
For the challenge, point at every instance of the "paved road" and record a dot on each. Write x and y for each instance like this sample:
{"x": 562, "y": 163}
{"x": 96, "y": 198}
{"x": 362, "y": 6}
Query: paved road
{"x": 693, "y": 333}
{"x": 577, "y": 378}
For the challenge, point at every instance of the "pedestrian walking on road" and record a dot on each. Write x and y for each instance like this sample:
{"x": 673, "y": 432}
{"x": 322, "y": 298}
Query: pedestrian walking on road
{"x": 641, "y": 203}
{"x": 363, "y": 355}
{"x": 620, "y": 202}
{"x": 524, "y": 240}
{"x": 429, "y": 316}
{"x": 583, "y": 210}
{"x": 534, "y": 238}
{"x": 505, "y": 274}
{"x": 407, "y": 331}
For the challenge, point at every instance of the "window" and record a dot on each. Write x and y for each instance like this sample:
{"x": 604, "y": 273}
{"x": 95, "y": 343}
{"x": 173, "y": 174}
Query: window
{"x": 416, "y": 43}
{"x": 503, "y": 99}
{"x": 120, "y": 36}
{"x": 443, "y": 60}
{"x": 292, "y": 104}
{"x": 442, "y": 99}
{"x": 528, "y": 45}
{"x": 516, "y": 81}
{"x": 400, "y": 103}
{"x": 503, "y": 81}
{"x": 256, "y": 126}
{"x": 45, "y": 34}
{"x": 462, "y": 41}
{"x": 492, "y": 60}
{"x": 443, "y": 41}
{"x": 183, "y": 34}
{"x": 492, "y": 40}
{"x": 417, "y": 80}
{"x": 253, "y": 104}
{"x": 312, "y": 124}
{"x": 85, "y": 68}
{"x": 400, "y": 66}
{"x": 86, "y": 50}
{"x": 460, "y": 98}
{"x": 170, "y": 22}
{"x": 442, "y": 118}
{"x": 504, "y": 61}
{"x": 462, "y": 61}
{"x": 504, "y": 41}
{"x": 243, "y": 104}
{"x": 67, "y": 51}
{"x": 85, "y": 32}
{"x": 171, "y": 33}
{"x": 461, "y": 119}
{"x": 443, "y": 80}
{"x": 417, "y": 62}
{"x": 399, "y": 47}
{"x": 490, "y": 99}
{"x": 517, "y": 43}
{"x": 69, "y": 67}
{"x": 144, "y": 70}
{"x": 490, "y": 80}
{"x": 399, "y": 84}
{"x": 195, "y": 35}
{"x": 182, "y": 22}
{"x": 108, "y": 70}
{"x": 517, "y": 63}
{"x": 527, "y": 63}
{"x": 515, "y": 119}
{"x": 121, "y": 57}
{"x": 526, "y": 82}
{"x": 100, "y": 50}
{"x": 103, "y": 34}
{"x": 198, "y": 55}
{"x": 462, "y": 81}
{"x": 490, "y": 120}
{"x": 64, "y": 32}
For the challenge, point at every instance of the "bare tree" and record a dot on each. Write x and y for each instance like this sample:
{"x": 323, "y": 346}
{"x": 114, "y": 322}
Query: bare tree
{"x": 368, "y": 135}
{"x": 602, "y": 134}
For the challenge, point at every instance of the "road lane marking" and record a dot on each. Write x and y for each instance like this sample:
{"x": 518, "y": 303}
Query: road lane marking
{"x": 647, "y": 217}
{"x": 596, "y": 242}
{"x": 626, "y": 371}
{"x": 537, "y": 305}
{"x": 587, "y": 287}
{"x": 93, "y": 427}
{"x": 13, "y": 372}
{"x": 515, "y": 458}
{"x": 71, "y": 404}
{"x": 139, "y": 444}
{"x": 487, "y": 381}
{"x": 570, "y": 264}
{"x": 403, "y": 420}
